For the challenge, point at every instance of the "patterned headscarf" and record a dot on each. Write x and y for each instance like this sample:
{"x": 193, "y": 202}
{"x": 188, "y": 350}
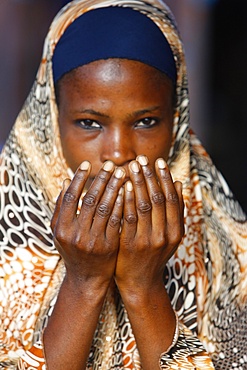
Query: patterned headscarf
{"x": 206, "y": 278}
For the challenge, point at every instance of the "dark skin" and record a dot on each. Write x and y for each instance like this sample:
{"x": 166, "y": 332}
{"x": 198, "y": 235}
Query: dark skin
{"x": 115, "y": 120}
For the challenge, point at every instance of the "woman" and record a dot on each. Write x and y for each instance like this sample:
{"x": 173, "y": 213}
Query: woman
{"x": 99, "y": 288}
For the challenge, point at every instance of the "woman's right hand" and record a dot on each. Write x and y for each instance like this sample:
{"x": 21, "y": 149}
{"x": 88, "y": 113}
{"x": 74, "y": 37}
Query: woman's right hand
{"x": 88, "y": 241}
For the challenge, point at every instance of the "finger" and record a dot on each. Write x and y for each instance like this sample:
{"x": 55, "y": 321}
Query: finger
{"x": 114, "y": 222}
{"x": 179, "y": 188}
{"x": 94, "y": 193}
{"x": 130, "y": 215}
{"x": 107, "y": 201}
{"x": 156, "y": 196}
{"x": 142, "y": 200}
{"x": 172, "y": 202}
{"x": 66, "y": 184}
{"x": 72, "y": 195}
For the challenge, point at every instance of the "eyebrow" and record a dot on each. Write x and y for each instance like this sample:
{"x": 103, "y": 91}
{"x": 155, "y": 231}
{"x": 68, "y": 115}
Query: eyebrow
{"x": 133, "y": 114}
{"x": 143, "y": 111}
{"x": 94, "y": 112}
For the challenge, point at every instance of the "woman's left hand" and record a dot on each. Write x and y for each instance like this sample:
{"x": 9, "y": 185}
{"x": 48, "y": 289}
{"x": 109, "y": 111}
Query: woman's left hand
{"x": 153, "y": 226}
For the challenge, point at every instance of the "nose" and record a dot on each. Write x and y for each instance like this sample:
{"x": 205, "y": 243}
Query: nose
{"x": 118, "y": 146}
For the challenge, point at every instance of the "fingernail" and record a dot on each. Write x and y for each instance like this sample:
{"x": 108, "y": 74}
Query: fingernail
{"x": 84, "y": 166}
{"x": 121, "y": 191}
{"x": 161, "y": 164}
{"x": 119, "y": 172}
{"x": 120, "y": 196}
{"x": 70, "y": 173}
{"x": 134, "y": 167}
{"x": 108, "y": 166}
{"x": 142, "y": 159}
{"x": 66, "y": 183}
{"x": 129, "y": 186}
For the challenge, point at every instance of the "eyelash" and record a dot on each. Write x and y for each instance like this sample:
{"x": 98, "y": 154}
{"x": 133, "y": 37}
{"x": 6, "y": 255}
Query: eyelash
{"x": 147, "y": 122}
{"x": 90, "y": 124}
{"x": 87, "y": 124}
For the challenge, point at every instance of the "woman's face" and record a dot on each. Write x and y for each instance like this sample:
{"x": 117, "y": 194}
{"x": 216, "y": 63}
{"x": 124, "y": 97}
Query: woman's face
{"x": 115, "y": 109}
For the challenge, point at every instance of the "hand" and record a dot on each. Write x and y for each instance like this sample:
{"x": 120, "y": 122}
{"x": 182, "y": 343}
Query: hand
{"x": 88, "y": 242}
{"x": 152, "y": 228}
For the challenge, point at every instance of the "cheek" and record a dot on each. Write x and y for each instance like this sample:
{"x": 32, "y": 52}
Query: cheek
{"x": 71, "y": 149}
{"x": 71, "y": 155}
{"x": 164, "y": 145}
{"x": 159, "y": 146}
{"x": 77, "y": 149}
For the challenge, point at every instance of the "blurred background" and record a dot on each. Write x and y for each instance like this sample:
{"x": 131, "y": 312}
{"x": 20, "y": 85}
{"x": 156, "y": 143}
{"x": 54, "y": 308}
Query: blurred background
{"x": 214, "y": 33}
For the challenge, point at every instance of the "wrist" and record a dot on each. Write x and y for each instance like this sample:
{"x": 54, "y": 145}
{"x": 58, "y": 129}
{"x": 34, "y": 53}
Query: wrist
{"x": 146, "y": 298}
{"x": 90, "y": 289}
{"x": 142, "y": 292}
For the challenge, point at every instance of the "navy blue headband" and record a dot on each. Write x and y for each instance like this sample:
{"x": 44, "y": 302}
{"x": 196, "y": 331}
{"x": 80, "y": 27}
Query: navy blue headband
{"x": 113, "y": 32}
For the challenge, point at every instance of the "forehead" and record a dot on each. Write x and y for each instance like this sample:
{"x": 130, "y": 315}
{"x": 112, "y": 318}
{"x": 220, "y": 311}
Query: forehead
{"x": 115, "y": 72}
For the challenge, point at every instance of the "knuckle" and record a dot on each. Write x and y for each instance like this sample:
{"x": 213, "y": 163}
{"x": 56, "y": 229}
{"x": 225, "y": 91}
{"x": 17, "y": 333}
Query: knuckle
{"x": 148, "y": 172}
{"x": 76, "y": 241}
{"x": 158, "y": 198}
{"x": 114, "y": 221}
{"x": 161, "y": 241}
{"x": 139, "y": 181}
{"x": 103, "y": 210}
{"x": 89, "y": 200}
{"x": 102, "y": 177}
{"x": 144, "y": 207}
{"x": 69, "y": 197}
{"x": 131, "y": 219}
{"x": 146, "y": 244}
{"x": 60, "y": 235}
{"x": 111, "y": 186}
{"x": 176, "y": 237}
{"x": 90, "y": 249}
{"x": 172, "y": 198}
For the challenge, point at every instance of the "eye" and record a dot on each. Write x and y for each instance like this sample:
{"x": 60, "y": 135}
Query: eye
{"x": 146, "y": 122}
{"x": 88, "y": 124}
